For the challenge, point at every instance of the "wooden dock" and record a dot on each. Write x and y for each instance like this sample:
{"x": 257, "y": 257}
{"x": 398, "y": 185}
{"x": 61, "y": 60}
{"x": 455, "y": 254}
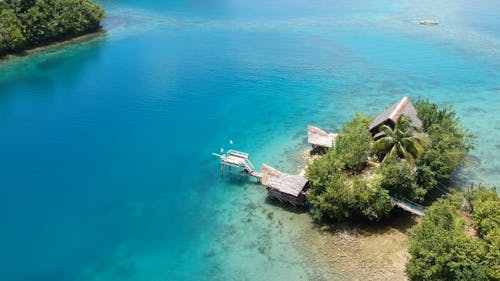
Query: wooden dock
{"x": 281, "y": 186}
{"x": 293, "y": 188}
{"x": 240, "y": 160}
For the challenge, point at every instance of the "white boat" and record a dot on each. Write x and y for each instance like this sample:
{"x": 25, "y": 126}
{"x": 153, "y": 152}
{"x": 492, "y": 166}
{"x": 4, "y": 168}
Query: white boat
{"x": 429, "y": 22}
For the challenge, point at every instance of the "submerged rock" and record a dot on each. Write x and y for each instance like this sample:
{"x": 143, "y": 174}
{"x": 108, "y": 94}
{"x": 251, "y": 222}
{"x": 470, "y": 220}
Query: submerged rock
{"x": 270, "y": 215}
{"x": 210, "y": 253}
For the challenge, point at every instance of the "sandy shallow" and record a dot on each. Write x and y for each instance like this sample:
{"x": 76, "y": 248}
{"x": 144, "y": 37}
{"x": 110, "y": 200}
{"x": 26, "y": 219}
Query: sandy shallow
{"x": 270, "y": 241}
{"x": 359, "y": 252}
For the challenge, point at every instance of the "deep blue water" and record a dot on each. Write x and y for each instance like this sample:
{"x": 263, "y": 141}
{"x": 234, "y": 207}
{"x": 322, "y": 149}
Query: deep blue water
{"x": 105, "y": 164}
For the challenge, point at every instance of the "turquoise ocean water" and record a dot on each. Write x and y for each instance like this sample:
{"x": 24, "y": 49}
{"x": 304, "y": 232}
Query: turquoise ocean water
{"x": 105, "y": 165}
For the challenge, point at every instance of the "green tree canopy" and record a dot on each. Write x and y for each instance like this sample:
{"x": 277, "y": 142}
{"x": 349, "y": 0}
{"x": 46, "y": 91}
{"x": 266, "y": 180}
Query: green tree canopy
{"x": 353, "y": 144}
{"x": 345, "y": 186}
{"x": 449, "y": 141}
{"x": 337, "y": 193}
{"x": 440, "y": 248}
{"x": 400, "y": 180}
{"x": 11, "y": 36}
{"x": 29, "y": 23}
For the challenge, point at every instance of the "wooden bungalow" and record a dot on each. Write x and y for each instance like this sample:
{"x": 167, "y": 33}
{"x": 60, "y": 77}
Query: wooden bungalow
{"x": 319, "y": 138}
{"x": 390, "y": 117}
{"x": 284, "y": 187}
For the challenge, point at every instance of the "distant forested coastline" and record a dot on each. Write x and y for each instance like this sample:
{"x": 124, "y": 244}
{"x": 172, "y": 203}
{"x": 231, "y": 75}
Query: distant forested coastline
{"x": 27, "y": 24}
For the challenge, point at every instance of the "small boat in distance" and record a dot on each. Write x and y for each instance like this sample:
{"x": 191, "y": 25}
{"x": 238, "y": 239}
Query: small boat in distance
{"x": 429, "y": 22}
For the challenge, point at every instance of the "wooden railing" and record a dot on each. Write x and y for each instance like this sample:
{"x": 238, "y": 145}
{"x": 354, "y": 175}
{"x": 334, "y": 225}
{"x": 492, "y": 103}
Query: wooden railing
{"x": 409, "y": 205}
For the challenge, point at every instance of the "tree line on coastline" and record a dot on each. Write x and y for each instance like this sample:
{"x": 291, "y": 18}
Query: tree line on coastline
{"x": 356, "y": 179}
{"x": 441, "y": 248}
{"x": 26, "y": 24}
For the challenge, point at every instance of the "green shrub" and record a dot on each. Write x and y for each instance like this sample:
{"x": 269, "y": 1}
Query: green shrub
{"x": 329, "y": 192}
{"x": 11, "y": 36}
{"x": 450, "y": 142}
{"x": 337, "y": 193}
{"x": 372, "y": 201}
{"x": 486, "y": 217}
{"x": 399, "y": 180}
{"x": 439, "y": 248}
{"x": 492, "y": 258}
{"x": 485, "y": 209}
{"x": 353, "y": 145}
{"x": 343, "y": 198}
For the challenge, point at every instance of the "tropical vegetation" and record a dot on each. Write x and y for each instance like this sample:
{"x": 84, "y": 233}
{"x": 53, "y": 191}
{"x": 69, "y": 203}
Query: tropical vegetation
{"x": 450, "y": 143}
{"x": 29, "y": 23}
{"x": 337, "y": 191}
{"x": 403, "y": 141}
{"x": 356, "y": 179}
{"x": 442, "y": 249}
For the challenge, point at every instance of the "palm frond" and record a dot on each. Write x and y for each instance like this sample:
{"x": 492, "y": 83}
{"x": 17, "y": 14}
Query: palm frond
{"x": 388, "y": 131}
{"x": 404, "y": 141}
{"x": 382, "y": 144}
{"x": 392, "y": 153}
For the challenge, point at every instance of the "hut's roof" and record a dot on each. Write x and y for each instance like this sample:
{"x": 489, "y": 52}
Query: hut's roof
{"x": 285, "y": 183}
{"x": 403, "y": 107}
{"x": 319, "y": 137}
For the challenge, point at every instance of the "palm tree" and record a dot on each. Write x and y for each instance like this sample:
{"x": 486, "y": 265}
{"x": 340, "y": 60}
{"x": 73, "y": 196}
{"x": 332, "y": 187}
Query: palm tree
{"x": 403, "y": 141}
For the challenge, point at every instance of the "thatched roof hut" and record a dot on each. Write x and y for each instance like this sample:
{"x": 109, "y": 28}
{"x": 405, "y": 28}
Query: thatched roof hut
{"x": 284, "y": 187}
{"x": 319, "y": 138}
{"x": 390, "y": 116}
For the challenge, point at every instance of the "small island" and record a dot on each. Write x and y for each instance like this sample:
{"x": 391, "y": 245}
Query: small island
{"x": 30, "y": 24}
{"x": 406, "y": 153}
{"x": 405, "y": 158}
{"x": 402, "y": 154}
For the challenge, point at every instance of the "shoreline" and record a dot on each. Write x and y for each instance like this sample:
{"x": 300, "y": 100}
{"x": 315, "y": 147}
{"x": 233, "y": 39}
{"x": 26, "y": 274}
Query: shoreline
{"x": 288, "y": 242}
{"x": 56, "y": 44}
{"x": 355, "y": 251}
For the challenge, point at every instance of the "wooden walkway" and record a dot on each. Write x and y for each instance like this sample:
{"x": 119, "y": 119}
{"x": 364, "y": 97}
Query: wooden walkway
{"x": 290, "y": 188}
{"x": 282, "y": 186}
{"x": 409, "y": 206}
